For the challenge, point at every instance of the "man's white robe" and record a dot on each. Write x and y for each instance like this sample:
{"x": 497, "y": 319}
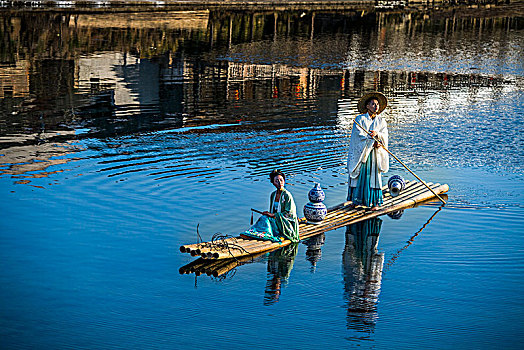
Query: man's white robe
{"x": 361, "y": 145}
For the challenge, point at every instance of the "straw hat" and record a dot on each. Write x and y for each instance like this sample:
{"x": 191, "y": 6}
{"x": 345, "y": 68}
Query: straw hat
{"x": 382, "y": 101}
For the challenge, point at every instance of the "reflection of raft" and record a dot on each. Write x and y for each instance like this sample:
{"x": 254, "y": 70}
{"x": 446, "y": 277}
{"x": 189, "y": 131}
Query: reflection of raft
{"x": 215, "y": 267}
{"x": 338, "y": 216}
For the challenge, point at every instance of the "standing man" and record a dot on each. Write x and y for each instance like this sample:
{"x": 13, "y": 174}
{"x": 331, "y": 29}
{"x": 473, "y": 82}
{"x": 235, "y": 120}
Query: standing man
{"x": 367, "y": 159}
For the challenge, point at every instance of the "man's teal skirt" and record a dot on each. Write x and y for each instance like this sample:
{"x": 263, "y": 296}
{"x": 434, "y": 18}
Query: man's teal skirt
{"x": 363, "y": 194}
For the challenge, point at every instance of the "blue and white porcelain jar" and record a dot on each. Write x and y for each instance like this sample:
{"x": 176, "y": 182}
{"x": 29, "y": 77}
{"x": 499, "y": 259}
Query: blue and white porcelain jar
{"x": 316, "y": 194}
{"x": 315, "y": 211}
{"x": 396, "y": 184}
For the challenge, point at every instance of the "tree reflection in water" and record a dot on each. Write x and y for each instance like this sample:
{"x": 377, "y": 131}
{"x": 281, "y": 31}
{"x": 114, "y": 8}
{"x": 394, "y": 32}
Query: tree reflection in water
{"x": 362, "y": 268}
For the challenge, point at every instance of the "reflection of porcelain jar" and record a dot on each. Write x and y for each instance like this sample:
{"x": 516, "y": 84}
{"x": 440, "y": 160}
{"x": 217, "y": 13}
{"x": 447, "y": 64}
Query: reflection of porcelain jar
{"x": 315, "y": 211}
{"x": 396, "y": 214}
{"x": 396, "y": 184}
{"x": 314, "y": 248}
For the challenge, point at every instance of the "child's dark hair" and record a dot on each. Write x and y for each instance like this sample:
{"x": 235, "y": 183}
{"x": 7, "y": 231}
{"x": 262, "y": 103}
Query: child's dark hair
{"x": 275, "y": 173}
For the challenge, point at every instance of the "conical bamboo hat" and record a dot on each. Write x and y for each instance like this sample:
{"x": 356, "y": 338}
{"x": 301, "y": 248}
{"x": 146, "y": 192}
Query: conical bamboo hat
{"x": 382, "y": 101}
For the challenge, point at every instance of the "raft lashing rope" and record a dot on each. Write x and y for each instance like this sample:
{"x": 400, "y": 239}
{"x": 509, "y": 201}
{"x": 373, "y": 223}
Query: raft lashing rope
{"x": 218, "y": 242}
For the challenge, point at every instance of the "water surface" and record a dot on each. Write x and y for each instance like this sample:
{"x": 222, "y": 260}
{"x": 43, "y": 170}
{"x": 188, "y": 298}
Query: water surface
{"x": 118, "y": 139}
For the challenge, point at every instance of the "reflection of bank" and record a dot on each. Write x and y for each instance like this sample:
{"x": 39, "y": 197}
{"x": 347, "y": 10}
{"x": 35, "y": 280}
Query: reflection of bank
{"x": 362, "y": 267}
{"x": 279, "y": 266}
{"x": 27, "y": 162}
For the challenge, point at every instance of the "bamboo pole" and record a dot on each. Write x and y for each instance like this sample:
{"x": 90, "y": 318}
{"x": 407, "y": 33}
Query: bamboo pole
{"x": 219, "y": 267}
{"x": 210, "y": 266}
{"x": 234, "y": 249}
{"x": 263, "y": 246}
{"x": 187, "y": 268}
{"x": 232, "y": 263}
{"x": 215, "y": 265}
{"x": 200, "y": 265}
{"x": 404, "y": 165}
{"x": 186, "y": 248}
{"x": 192, "y": 266}
{"x": 212, "y": 247}
{"x": 344, "y": 214}
{"x": 231, "y": 252}
{"x": 199, "y": 248}
{"x": 235, "y": 252}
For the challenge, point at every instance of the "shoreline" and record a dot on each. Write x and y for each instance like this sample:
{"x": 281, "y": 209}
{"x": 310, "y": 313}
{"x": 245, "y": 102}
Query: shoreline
{"x": 474, "y": 8}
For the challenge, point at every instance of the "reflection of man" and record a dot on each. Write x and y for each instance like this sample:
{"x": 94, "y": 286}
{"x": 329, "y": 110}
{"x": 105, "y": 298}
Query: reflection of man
{"x": 362, "y": 267}
{"x": 279, "y": 266}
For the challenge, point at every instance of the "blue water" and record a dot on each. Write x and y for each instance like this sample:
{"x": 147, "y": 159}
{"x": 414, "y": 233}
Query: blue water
{"x": 106, "y": 171}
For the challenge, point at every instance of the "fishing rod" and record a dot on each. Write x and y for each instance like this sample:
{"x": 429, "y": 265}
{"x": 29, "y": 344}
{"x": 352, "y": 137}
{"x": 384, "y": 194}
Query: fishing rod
{"x": 257, "y": 211}
{"x": 404, "y": 165}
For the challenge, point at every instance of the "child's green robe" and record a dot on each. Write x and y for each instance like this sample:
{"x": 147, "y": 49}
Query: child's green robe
{"x": 286, "y": 220}
{"x": 283, "y": 226}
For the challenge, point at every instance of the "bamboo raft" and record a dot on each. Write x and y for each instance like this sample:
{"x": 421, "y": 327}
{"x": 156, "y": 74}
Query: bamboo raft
{"x": 220, "y": 256}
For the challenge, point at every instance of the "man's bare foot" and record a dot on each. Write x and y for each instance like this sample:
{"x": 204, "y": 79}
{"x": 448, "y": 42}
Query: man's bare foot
{"x": 375, "y": 208}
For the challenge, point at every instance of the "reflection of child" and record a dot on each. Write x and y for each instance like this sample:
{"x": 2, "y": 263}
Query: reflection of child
{"x": 281, "y": 221}
{"x": 279, "y": 266}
